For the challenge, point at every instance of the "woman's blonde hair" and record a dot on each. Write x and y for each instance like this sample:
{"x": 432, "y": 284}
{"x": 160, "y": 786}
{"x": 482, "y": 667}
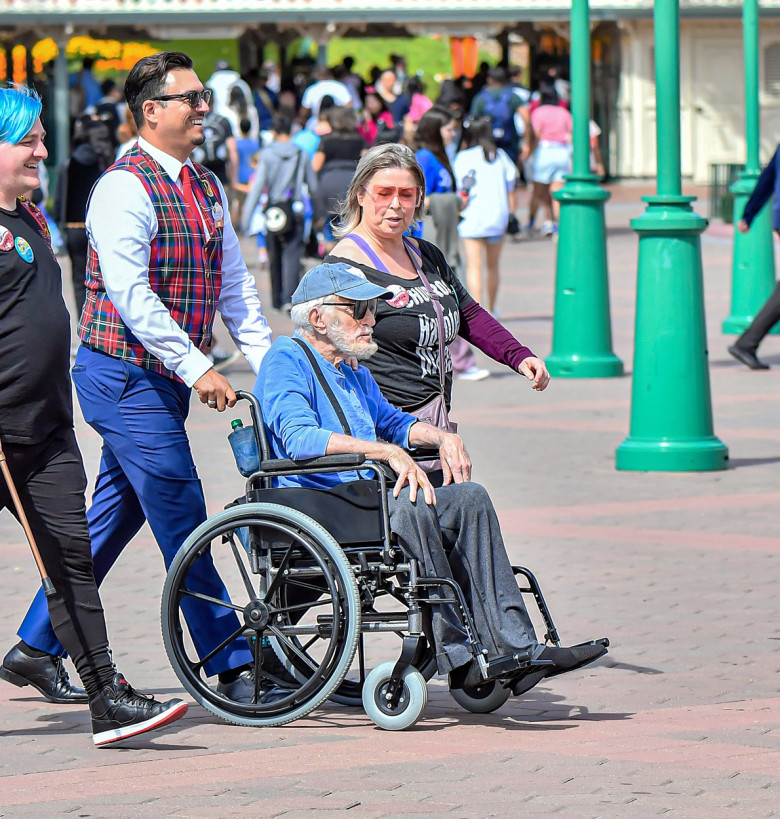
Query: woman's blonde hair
{"x": 379, "y": 158}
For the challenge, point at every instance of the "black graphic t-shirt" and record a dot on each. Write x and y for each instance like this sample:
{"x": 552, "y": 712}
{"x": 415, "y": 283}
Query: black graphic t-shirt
{"x": 406, "y": 366}
{"x": 35, "y": 395}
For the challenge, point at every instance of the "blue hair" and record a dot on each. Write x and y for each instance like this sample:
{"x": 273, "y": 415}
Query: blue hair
{"x": 20, "y": 106}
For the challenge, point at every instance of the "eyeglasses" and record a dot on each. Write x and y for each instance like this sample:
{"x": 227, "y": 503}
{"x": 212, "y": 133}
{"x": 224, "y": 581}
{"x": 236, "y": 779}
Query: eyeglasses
{"x": 385, "y": 194}
{"x": 358, "y": 308}
{"x": 192, "y": 98}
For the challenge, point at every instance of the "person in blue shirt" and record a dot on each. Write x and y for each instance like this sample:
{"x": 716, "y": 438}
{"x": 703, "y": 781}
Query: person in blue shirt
{"x": 745, "y": 347}
{"x": 85, "y": 89}
{"x": 452, "y": 531}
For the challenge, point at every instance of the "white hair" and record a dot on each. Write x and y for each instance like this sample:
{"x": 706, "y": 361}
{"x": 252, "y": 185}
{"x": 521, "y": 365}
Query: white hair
{"x": 300, "y": 314}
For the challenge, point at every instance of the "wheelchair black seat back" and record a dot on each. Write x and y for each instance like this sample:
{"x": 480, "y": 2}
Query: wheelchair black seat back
{"x": 351, "y": 512}
{"x": 307, "y": 574}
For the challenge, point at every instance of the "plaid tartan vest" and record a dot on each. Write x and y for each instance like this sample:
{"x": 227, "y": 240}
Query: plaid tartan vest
{"x": 185, "y": 267}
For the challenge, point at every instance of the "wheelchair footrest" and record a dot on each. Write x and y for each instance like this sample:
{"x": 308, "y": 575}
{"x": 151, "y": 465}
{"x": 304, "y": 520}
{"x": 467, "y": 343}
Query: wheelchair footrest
{"x": 507, "y": 665}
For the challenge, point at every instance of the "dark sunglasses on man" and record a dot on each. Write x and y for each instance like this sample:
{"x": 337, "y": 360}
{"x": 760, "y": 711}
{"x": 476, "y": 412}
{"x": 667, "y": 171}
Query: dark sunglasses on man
{"x": 192, "y": 98}
{"x": 358, "y": 308}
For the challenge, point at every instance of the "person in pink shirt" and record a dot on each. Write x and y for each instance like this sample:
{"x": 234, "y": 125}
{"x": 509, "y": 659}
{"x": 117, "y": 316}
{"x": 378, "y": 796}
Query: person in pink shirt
{"x": 376, "y": 117}
{"x": 550, "y": 140}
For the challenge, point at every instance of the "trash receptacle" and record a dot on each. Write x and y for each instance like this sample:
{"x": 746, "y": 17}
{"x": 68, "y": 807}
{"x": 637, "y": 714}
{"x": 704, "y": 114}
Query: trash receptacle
{"x": 722, "y": 176}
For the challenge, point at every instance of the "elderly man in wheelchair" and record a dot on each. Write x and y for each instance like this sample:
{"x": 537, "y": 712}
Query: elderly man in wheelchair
{"x": 320, "y": 419}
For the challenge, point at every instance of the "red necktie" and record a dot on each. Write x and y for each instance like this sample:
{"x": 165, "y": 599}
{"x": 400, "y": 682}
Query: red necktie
{"x": 193, "y": 208}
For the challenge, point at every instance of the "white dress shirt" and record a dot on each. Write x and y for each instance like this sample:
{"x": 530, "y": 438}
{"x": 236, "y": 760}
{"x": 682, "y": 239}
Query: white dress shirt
{"x": 121, "y": 225}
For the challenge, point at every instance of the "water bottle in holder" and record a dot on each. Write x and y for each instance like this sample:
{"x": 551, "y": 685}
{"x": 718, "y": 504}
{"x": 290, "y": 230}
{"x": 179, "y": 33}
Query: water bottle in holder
{"x": 244, "y": 445}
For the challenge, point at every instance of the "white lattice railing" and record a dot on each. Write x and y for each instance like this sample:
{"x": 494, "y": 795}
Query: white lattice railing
{"x": 361, "y": 8}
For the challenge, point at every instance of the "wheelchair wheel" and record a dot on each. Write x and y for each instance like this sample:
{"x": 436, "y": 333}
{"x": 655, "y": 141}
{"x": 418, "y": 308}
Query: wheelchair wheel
{"x": 261, "y": 552}
{"x": 350, "y": 692}
{"x": 411, "y": 704}
{"x": 481, "y": 699}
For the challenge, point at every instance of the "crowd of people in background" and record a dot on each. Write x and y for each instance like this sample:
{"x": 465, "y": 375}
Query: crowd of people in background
{"x": 285, "y": 152}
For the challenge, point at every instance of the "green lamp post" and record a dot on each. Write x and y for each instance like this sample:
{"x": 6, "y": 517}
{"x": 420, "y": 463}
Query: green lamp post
{"x": 753, "y": 262}
{"x": 582, "y": 335}
{"x": 671, "y": 407}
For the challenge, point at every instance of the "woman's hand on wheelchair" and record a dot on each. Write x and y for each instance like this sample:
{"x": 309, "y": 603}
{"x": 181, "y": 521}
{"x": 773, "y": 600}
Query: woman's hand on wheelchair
{"x": 402, "y": 463}
{"x": 455, "y": 461}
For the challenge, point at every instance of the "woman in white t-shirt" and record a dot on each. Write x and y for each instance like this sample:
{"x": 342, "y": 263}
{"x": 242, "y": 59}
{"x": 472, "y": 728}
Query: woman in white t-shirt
{"x": 489, "y": 176}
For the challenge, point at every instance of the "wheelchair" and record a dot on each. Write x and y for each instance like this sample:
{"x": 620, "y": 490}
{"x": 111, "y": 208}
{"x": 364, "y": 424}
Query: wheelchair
{"x": 310, "y": 573}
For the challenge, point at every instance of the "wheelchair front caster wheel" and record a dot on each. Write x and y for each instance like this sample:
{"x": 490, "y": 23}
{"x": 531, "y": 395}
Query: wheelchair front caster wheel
{"x": 411, "y": 702}
{"x": 481, "y": 699}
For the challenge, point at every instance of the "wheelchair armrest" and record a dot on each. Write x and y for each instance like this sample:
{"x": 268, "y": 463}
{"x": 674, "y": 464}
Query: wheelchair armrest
{"x": 286, "y": 464}
{"x": 419, "y": 454}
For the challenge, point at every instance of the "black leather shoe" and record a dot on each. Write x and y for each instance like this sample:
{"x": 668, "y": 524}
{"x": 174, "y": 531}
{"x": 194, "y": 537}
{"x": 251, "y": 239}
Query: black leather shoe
{"x": 47, "y": 674}
{"x": 242, "y": 689}
{"x": 747, "y": 357}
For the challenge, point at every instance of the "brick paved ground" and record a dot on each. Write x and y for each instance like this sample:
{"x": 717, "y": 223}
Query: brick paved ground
{"x": 680, "y": 570}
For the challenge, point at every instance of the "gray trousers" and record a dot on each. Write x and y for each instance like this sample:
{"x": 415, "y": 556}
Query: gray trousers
{"x": 460, "y": 537}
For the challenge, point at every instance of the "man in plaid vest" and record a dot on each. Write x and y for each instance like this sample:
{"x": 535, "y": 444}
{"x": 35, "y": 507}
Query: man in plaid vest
{"x": 163, "y": 259}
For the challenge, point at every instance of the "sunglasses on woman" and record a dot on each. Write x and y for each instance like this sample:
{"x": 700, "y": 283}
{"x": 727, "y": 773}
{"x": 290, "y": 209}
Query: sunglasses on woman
{"x": 358, "y": 308}
{"x": 385, "y": 194}
{"x": 192, "y": 98}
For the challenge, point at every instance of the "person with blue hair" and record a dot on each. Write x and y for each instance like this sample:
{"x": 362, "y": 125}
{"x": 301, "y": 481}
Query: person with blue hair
{"x": 39, "y": 446}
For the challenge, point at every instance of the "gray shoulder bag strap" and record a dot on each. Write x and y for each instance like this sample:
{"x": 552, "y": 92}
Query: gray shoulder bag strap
{"x": 326, "y": 388}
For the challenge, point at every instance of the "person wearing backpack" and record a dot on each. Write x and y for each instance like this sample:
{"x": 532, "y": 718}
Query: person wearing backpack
{"x": 283, "y": 170}
{"x": 500, "y": 102}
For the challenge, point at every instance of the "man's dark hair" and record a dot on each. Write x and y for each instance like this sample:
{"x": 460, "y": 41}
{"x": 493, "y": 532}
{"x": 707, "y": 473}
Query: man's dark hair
{"x": 107, "y": 86}
{"x": 87, "y": 63}
{"x": 146, "y": 79}
{"x": 497, "y": 75}
{"x": 281, "y": 124}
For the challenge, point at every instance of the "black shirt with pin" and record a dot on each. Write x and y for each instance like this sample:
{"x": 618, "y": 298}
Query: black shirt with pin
{"x": 35, "y": 392}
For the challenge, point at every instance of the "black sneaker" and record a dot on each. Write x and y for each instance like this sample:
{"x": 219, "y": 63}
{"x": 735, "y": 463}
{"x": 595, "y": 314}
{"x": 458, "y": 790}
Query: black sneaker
{"x": 119, "y": 712}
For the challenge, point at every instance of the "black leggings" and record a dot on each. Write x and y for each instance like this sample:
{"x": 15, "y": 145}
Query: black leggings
{"x": 51, "y": 483}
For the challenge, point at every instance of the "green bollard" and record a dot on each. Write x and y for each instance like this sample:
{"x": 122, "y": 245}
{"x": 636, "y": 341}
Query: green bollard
{"x": 582, "y": 333}
{"x": 671, "y": 409}
{"x": 671, "y": 406}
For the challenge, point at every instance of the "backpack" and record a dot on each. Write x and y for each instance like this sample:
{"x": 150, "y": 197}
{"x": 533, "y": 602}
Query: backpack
{"x": 213, "y": 152}
{"x": 502, "y": 116}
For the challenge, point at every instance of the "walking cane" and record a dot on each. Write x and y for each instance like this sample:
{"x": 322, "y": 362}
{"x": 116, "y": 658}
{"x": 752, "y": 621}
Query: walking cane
{"x": 48, "y": 586}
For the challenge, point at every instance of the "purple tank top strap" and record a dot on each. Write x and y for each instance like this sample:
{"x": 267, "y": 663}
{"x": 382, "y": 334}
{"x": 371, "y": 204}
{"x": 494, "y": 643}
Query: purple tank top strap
{"x": 367, "y": 249}
{"x": 410, "y": 245}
